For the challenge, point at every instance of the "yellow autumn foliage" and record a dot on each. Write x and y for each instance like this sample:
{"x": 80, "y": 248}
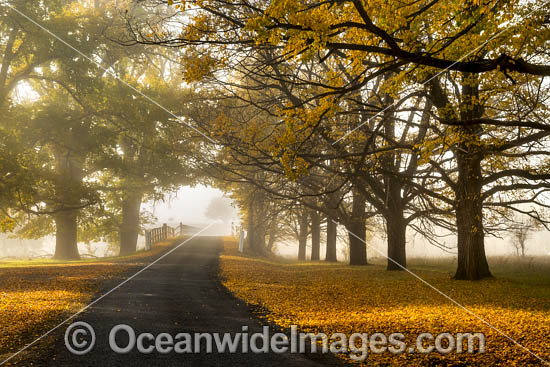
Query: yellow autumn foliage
{"x": 331, "y": 298}
{"x": 35, "y": 298}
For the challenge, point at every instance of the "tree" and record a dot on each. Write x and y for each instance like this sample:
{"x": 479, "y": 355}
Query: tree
{"x": 493, "y": 160}
{"x": 414, "y": 46}
{"x": 303, "y": 231}
{"x": 332, "y": 234}
{"x": 80, "y": 131}
{"x": 520, "y": 233}
{"x": 219, "y": 208}
{"x": 24, "y": 51}
{"x": 315, "y": 235}
{"x": 154, "y": 149}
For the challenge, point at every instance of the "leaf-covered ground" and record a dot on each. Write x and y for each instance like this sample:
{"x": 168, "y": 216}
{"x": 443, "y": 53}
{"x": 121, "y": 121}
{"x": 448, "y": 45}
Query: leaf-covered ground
{"x": 36, "y": 295}
{"x": 338, "y": 298}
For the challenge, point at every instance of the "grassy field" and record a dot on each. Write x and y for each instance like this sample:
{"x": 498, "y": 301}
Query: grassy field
{"x": 330, "y": 298}
{"x": 35, "y": 295}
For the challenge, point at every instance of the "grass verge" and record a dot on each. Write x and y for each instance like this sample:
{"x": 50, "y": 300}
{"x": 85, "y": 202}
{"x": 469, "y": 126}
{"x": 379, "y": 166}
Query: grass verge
{"x": 329, "y": 298}
{"x": 36, "y": 295}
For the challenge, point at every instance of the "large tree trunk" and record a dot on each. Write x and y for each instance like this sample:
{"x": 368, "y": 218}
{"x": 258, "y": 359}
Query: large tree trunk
{"x": 302, "y": 235}
{"x": 66, "y": 245}
{"x": 67, "y": 194}
{"x": 331, "y": 240}
{"x": 393, "y": 212}
{"x": 271, "y": 241}
{"x": 396, "y": 229}
{"x": 357, "y": 231}
{"x": 315, "y": 236}
{"x": 396, "y": 226}
{"x": 257, "y": 224}
{"x": 251, "y": 226}
{"x": 472, "y": 262}
{"x": 131, "y": 196}
{"x": 260, "y": 224}
{"x": 129, "y": 229}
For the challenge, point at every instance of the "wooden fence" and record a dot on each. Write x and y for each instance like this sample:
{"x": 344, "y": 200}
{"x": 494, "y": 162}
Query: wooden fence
{"x": 159, "y": 234}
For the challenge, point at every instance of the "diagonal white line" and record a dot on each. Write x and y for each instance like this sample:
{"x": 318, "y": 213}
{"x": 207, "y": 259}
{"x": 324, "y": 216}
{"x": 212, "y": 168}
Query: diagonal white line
{"x": 106, "y": 294}
{"x": 449, "y": 298}
{"x": 110, "y": 72}
{"x": 432, "y": 78}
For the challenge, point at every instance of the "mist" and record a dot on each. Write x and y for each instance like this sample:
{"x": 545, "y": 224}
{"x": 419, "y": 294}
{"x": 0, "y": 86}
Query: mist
{"x": 198, "y": 206}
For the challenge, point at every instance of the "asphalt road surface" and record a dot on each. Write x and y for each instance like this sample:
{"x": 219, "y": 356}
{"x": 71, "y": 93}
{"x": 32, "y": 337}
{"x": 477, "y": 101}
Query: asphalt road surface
{"x": 179, "y": 294}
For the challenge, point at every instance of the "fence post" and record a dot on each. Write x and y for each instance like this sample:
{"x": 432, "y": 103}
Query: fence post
{"x": 164, "y": 231}
{"x": 147, "y": 240}
{"x": 241, "y": 240}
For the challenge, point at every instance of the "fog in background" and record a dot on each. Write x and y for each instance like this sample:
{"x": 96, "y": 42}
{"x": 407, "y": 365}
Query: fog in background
{"x": 538, "y": 244}
{"x": 201, "y": 206}
{"x": 197, "y": 206}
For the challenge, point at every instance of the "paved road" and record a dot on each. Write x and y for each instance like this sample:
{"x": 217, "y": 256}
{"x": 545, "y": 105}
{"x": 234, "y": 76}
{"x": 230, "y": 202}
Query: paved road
{"x": 179, "y": 294}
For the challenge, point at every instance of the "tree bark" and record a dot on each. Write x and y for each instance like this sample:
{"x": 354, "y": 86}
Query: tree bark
{"x": 251, "y": 226}
{"x": 271, "y": 241}
{"x": 66, "y": 245}
{"x": 315, "y": 236}
{"x": 302, "y": 235}
{"x": 68, "y": 193}
{"x": 472, "y": 262}
{"x": 393, "y": 206}
{"x": 331, "y": 241}
{"x": 396, "y": 226}
{"x": 129, "y": 229}
{"x": 256, "y": 226}
{"x": 396, "y": 229}
{"x": 357, "y": 231}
